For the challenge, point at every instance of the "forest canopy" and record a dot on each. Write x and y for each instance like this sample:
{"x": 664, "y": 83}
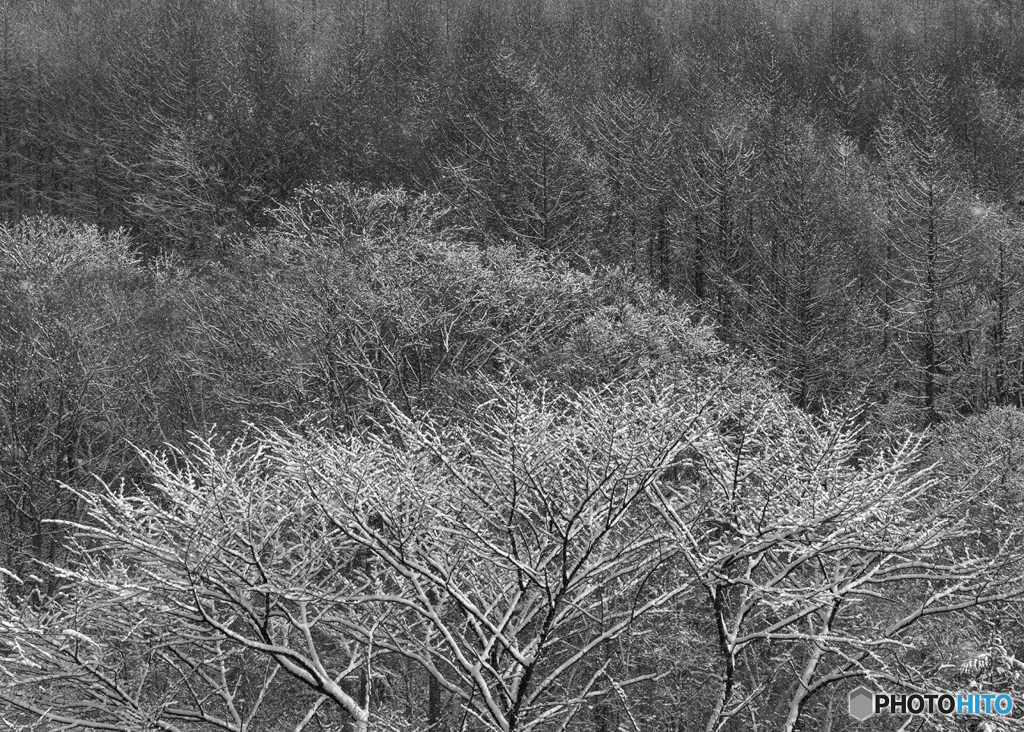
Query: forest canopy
{"x": 545, "y": 365}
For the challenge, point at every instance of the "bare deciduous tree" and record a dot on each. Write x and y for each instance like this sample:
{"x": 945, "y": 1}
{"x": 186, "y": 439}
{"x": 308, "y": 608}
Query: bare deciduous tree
{"x": 820, "y": 566}
{"x": 500, "y": 562}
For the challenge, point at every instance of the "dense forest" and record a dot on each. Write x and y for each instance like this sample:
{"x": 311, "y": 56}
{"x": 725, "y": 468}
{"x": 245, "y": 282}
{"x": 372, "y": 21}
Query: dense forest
{"x": 450, "y": 365}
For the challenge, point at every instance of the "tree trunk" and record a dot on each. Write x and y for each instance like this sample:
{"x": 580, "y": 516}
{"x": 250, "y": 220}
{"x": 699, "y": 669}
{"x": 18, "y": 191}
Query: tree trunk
{"x": 433, "y": 703}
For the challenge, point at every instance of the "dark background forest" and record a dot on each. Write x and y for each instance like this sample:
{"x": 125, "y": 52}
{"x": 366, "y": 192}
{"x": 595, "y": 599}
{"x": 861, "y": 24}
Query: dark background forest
{"x": 833, "y": 183}
{"x": 378, "y": 237}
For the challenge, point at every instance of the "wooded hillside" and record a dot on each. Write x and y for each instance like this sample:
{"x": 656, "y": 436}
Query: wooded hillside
{"x": 455, "y": 365}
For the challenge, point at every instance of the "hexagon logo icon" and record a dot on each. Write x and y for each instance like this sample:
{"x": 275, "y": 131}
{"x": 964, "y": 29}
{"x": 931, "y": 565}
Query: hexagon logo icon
{"x": 862, "y": 703}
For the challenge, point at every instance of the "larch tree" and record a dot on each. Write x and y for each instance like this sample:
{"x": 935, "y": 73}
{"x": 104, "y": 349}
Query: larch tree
{"x": 524, "y": 176}
{"x": 716, "y": 198}
{"x": 923, "y": 222}
{"x": 634, "y": 147}
{"x": 801, "y": 319}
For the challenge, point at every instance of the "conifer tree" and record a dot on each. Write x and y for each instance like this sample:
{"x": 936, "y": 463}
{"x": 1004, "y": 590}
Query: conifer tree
{"x": 801, "y": 316}
{"x": 634, "y": 148}
{"x": 525, "y": 177}
{"x": 716, "y": 198}
{"x": 924, "y": 228}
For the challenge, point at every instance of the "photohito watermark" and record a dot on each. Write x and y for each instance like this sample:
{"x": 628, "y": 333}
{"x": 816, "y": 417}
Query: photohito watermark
{"x": 865, "y": 703}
